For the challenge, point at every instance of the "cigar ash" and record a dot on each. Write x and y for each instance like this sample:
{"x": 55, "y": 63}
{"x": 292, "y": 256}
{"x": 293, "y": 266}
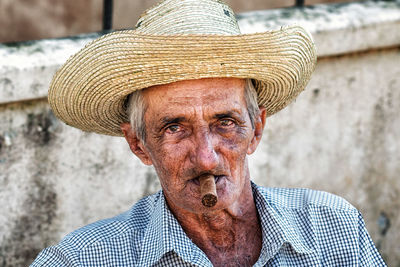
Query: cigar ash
{"x": 208, "y": 190}
{"x": 209, "y": 200}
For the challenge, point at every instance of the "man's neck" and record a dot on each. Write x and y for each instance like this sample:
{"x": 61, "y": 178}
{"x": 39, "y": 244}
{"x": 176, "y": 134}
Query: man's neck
{"x": 229, "y": 237}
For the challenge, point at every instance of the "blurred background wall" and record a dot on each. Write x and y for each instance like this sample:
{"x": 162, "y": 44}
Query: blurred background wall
{"x": 341, "y": 135}
{"x": 36, "y": 19}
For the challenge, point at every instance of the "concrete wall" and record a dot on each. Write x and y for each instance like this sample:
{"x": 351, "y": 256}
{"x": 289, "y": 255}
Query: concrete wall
{"x": 340, "y": 135}
{"x": 36, "y": 19}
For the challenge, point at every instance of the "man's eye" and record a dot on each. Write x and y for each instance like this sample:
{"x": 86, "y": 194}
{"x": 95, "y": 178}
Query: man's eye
{"x": 226, "y": 122}
{"x": 173, "y": 128}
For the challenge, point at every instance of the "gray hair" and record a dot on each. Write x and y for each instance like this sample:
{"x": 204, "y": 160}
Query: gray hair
{"x": 136, "y": 108}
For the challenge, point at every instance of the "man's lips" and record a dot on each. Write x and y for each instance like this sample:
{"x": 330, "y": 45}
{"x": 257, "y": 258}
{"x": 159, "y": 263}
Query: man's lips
{"x": 216, "y": 179}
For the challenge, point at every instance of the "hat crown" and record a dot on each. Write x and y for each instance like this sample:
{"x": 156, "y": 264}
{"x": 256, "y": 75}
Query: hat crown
{"x": 189, "y": 17}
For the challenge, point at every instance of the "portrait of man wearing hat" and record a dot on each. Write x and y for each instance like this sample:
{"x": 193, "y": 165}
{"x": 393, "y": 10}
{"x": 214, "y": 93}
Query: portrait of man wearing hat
{"x": 191, "y": 95}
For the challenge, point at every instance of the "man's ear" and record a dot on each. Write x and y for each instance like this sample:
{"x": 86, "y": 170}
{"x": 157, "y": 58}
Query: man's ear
{"x": 259, "y": 124}
{"x": 135, "y": 144}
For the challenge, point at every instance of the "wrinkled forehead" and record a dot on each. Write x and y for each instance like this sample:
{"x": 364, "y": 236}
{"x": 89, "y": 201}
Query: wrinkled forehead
{"x": 212, "y": 92}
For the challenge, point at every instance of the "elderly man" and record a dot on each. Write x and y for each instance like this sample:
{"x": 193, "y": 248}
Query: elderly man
{"x": 197, "y": 94}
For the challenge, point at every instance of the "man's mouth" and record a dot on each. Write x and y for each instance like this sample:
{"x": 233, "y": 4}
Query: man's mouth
{"x": 216, "y": 179}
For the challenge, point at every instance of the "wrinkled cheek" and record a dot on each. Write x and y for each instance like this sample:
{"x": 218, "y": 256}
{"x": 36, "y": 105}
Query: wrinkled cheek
{"x": 168, "y": 166}
{"x": 237, "y": 152}
{"x": 238, "y": 143}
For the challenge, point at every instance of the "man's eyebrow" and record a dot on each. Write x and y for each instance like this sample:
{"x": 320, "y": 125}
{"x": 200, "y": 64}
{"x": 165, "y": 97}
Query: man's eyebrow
{"x": 230, "y": 113}
{"x": 169, "y": 120}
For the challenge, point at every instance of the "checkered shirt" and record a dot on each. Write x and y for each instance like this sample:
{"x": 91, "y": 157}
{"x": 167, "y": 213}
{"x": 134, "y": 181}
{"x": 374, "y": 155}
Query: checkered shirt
{"x": 300, "y": 227}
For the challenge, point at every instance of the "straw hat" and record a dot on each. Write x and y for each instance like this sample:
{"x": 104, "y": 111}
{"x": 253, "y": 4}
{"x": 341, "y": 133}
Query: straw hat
{"x": 173, "y": 41}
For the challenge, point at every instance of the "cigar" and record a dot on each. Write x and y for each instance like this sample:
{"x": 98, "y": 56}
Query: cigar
{"x": 208, "y": 190}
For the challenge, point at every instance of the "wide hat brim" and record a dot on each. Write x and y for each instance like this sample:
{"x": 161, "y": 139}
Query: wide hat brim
{"x": 89, "y": 91}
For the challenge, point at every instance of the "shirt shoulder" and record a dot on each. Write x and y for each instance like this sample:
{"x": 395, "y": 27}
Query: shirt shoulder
{"x": 134, "y": 220}
{"x": 109, "y": 236}
{"x": 325, "y": 225}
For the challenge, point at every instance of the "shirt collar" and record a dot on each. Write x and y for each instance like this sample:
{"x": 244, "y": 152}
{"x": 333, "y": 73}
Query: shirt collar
{"x": 276, "y": 228}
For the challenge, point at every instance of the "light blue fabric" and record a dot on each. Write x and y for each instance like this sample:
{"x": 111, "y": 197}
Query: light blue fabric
{"x": 300, "y": 227}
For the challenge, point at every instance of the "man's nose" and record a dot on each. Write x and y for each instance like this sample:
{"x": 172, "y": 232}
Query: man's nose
{"x": 205, "y": 156}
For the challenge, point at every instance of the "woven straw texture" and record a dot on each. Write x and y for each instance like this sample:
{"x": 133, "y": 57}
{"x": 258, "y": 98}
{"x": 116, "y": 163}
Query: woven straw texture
{"x": 90, "y": 89}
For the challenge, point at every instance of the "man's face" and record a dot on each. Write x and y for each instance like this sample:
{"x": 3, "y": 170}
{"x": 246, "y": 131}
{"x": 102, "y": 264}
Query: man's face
{"x": 196, "y": 127}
